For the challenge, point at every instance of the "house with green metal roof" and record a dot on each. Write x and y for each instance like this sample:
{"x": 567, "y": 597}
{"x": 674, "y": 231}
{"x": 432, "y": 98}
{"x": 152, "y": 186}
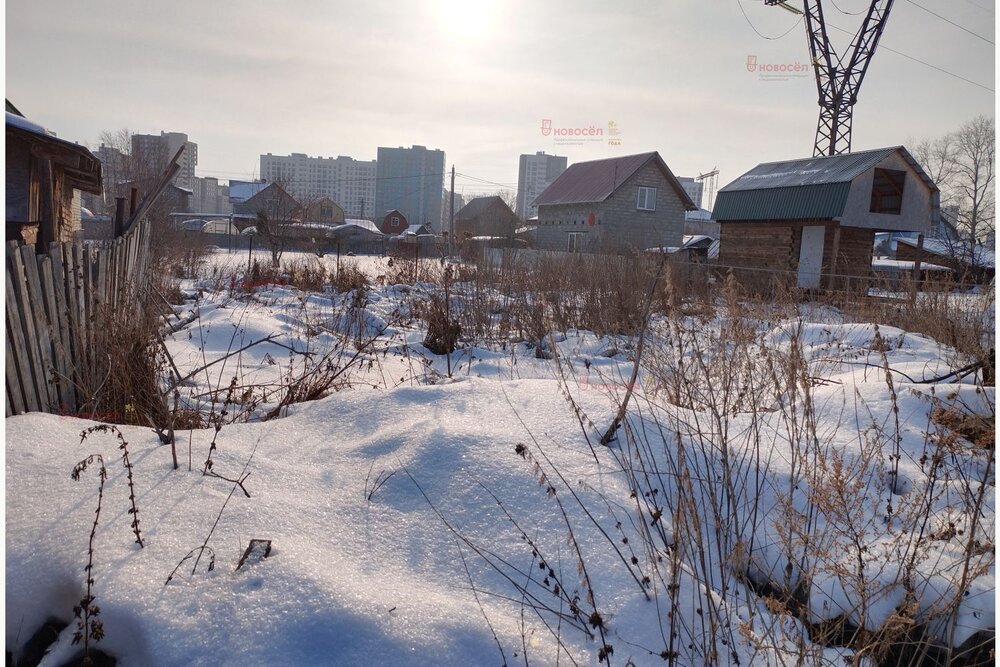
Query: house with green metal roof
{"x": 812, "y": 222}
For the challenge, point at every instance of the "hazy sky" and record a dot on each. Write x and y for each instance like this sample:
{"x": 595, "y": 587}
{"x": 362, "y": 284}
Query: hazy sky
{"x": 476, "y": 78}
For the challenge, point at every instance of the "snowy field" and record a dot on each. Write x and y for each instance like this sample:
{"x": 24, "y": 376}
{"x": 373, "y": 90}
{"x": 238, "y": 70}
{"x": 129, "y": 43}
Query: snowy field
{"x": 771, "y": 479}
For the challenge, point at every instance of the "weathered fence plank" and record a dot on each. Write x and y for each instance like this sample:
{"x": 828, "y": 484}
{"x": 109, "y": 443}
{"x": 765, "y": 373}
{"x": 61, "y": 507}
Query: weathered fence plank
{"x": 48, "y": 388}
{"x": 52, "y": 300}
{"x": 27, "y": 324}
{"x": 63, "y": 311}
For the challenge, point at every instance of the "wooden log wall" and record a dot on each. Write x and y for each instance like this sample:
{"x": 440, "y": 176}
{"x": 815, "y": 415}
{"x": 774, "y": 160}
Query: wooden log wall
{"x": 51, "y": 302}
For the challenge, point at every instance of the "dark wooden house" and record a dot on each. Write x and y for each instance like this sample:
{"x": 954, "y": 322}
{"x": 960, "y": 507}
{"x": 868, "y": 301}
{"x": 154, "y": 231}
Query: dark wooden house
{"x": 325, "y": 210}
{"x": 811, "y": 223}
{"x": 42, "y": 173}
{"x": 272, "y": 201}
{"x": 485, "y": 216}
{"x": 969, "y": 263}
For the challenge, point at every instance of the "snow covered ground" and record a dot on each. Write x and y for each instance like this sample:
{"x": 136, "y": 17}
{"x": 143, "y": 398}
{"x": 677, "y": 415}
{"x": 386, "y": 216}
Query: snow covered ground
{"x": 422, "y": 519}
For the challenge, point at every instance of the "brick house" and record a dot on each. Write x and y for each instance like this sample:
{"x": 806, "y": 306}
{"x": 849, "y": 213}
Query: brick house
{"x": 812, "y": 222}
{"x": 617, "y": 205}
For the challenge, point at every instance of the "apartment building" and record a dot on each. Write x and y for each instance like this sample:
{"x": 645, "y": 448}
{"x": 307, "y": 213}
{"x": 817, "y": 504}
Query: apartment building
{"x": 348, "y": 182}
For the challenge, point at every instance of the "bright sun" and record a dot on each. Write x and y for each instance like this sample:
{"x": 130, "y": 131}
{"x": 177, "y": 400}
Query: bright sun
{"x": 466, "y": 19}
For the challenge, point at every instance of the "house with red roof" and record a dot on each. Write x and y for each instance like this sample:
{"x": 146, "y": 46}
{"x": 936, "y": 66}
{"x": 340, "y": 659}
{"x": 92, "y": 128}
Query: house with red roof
{"x": 617, "y": 205}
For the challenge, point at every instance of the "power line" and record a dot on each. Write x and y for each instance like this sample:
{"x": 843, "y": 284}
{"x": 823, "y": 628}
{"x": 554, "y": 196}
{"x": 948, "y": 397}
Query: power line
{"x": 759, "y": 33}
{"x": 947, "y": 20}
{"x": 857, "y": 13}
{"x": 976, "y": 4}
{"x": 343, "y": 180}
{"x": 483, "y": 180}
{"x": 918, "y": 60}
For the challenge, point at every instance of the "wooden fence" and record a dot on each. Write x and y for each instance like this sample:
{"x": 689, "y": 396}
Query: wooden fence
{"x": 52, "y": 302}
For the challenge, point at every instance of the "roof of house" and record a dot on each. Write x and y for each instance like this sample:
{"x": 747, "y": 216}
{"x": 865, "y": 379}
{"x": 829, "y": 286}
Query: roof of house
{"x": 354, "y": 223}
{"x": 478, "y": 206}
{"x": 80, "y": 166}
{"x": 978, "y": 255}
{"x": 808, "y": 188}
{"x": 240, "y": 191}
{"x": 596, "y": 180}
{"x": 417, "y": 229}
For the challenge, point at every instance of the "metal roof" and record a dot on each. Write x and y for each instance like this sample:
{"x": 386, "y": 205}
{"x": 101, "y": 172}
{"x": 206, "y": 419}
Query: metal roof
{"x": 478, "y": 206}
{"x": 241, "y": 191}
{"x": 809, "y": 188}
{"x": 596, "y": 180}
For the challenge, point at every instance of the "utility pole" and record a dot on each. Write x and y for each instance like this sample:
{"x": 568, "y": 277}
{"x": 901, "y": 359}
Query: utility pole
{"x": 451, "y": 215}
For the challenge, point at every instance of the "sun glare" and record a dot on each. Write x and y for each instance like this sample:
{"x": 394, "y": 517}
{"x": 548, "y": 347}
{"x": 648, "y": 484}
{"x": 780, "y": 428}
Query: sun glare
{"x": 466, "y": 19}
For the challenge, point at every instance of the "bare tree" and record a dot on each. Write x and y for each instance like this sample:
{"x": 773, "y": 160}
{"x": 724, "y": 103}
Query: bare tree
{"x": 939, "y": 159}
{"x": 276, "y": 212}
{"x": 975, "y": 144}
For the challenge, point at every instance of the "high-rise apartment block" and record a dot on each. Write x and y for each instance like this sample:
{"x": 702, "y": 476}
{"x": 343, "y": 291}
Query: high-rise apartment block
{"x": 151, "y": 154}
{"x": 208, "y": 196}
{"x": 694, "y": 189}
{"x": 411, "y": 180}
{"x": 348, "y": 182}
{"x": 535, "y": 173}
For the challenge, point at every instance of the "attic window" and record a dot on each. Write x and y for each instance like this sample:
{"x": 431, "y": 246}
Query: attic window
{"x": 887, "y": 191}
{"x": 647, "y": 199}
{"x": 394, "y": 220}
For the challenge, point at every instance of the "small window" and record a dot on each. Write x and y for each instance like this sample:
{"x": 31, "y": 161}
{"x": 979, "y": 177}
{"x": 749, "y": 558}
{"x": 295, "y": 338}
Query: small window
{"x": 394, "y": 221}
{"x": 887, "y": 191}
{"x": 575, "y": 242}
{"x": 647, "y": 199}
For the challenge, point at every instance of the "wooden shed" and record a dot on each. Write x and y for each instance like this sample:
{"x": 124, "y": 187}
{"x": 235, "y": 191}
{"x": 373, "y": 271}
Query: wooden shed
{"x": 811, "y": 223}
{"x": 42, "y": 173}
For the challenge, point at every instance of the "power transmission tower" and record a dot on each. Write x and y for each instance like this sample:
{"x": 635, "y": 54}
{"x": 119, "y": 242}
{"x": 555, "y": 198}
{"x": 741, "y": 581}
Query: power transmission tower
{"x": 710, "y": 180}
{"x": 837, "y": 81}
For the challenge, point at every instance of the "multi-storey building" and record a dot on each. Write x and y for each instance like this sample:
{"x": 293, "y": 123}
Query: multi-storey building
{"x": 209, "y": 196}
{"x": 348, "y": 182}
{"x": 446, "y": 210}
{"x": 411, "y": 180}
{"x": 693, "y": 188}
{"x": 535, "y": 173}
{"x": 153, "y": 152}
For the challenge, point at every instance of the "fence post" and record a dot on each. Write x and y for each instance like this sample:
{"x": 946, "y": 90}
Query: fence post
{"x": 916, "y": 268}
{"x": 119, "y": 217}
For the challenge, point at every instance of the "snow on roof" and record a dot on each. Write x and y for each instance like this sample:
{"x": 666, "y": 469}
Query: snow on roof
{"x": 417, "y": 230}
{"x": 895, "y": 265}
{"x": 360, "y": 223}
{"x": 22, "y": 123}
{"x": 699, "y": 240}
{"x": 959, "y": 250}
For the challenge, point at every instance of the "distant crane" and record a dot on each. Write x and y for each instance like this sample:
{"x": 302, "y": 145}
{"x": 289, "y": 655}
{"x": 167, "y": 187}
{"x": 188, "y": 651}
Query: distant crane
{"x": 838, "y": 82}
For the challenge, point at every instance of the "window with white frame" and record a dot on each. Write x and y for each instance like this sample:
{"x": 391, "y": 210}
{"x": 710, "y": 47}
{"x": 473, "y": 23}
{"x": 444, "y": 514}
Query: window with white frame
{"x": 575, "y": 242}
{"x": 647, "y": 199}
